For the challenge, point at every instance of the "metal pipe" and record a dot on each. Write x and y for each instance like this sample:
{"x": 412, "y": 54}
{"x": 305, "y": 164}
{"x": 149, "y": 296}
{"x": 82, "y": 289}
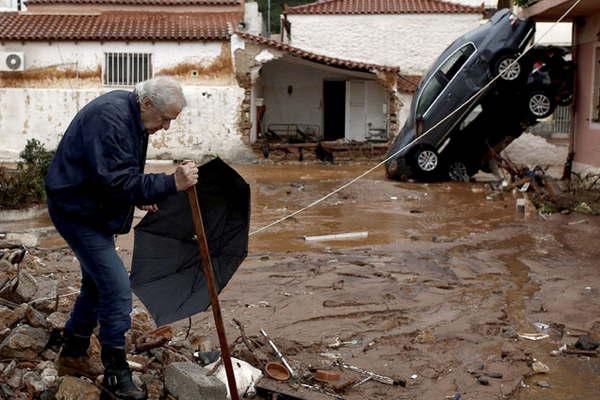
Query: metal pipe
{"x": 279, "y": 354}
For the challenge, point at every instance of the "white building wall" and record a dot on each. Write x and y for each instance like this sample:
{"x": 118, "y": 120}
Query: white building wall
{"x": 476, "y": 3}
{"x": 411, "y": 41}
{"x": 89, "y": 55}
{"x": 208, "y": 126}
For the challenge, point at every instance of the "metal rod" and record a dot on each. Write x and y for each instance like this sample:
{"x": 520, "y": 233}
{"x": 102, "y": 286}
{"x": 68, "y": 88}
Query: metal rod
{"x": 212, "y": 290}
{"x": 279, "y": 354}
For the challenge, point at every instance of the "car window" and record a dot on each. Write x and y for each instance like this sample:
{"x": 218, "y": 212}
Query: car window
{"x": 442, "y": 76}
{"x": 457, "y": 60}
{"x": 430, "y": 92}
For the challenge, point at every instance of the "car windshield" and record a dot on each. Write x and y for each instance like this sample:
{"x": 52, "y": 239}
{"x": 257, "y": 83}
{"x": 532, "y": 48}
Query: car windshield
{"x": 442, "y": 76}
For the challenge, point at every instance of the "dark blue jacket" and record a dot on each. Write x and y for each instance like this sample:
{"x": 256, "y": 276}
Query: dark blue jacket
{"x": 97, "y": 175}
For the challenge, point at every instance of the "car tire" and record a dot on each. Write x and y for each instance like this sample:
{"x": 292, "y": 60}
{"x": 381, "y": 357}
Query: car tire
{"x": 501, "y": 68}
{"x": 540, "y": 104}
{"x": 426, "y": 162}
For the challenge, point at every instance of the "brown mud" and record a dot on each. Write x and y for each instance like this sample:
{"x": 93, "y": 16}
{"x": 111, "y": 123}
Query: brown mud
{"x": 429, "y": 294}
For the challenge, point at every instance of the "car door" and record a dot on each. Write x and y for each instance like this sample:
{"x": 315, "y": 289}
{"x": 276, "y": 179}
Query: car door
{"x": 447, "y": 89}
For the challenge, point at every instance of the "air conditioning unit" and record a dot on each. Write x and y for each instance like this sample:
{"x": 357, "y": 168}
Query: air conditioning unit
{"x": 12, "y": 61}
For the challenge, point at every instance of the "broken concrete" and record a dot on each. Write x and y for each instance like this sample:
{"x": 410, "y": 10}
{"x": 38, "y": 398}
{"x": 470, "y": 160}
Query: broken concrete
{"x": 189, "y": 381}
{"x": 76, "y": 389}
{"x": 24, "y": 342}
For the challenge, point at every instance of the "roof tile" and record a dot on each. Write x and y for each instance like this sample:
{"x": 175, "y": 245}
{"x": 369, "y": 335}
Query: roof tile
{"x": 383, "y": 7}
{"x": 138, "y": 2}
{"x": 118, "y": 26}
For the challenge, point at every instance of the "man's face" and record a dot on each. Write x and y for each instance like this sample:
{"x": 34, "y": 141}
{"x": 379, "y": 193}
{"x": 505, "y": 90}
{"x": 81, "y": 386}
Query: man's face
{"x": 155, "y": 119}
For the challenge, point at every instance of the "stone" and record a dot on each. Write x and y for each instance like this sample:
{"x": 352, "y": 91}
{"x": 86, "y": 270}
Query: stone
{"x": 45, "y": 298}
{"x": 35, "y": 318}
{"x": 544, "y": 384}
{"x": 16, "y": 379}
{"x": 71, "y": 388}
{"x": 57, "y": 320}
{"x": 49, "y": 355}
{"x": 510, "y": 332}
{"x": 4, "y": 278}
{"x": 49, "y": 376}
{"x": 188, "y": 381}
{"x": 540, "y": 368}
{"x": 154, "y": 386}
{"x": 585, "y": 342}
{"x": 33, "y": 382}
{"x": 24, "y": 342}
{"x": 27, "y": 287}
{"x": 10, "y": 317}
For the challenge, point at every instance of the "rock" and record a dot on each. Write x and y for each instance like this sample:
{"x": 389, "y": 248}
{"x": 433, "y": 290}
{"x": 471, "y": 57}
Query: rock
{"x": 10, "y": 317}
{"x": 76, "y": 389}
{"x": 136, "y": 378}
{"x": 16, "y": 379}
{"x": 49, "y": 376}
{"x": 540, "y": 368}
{"x": 154, "y": 386}
{"x": 57, "y": 320}
{"x": 188, "y": 381}
{"x": 27, "y": 287}
{"x": 510, "y": 332}
{"x": 33, "y": 382}
{"x": 483, "y": 380}
{"x": 49, "y": 355}
{"x": 585, "y": 342}
{"x": 4, "y": 277}
{"x": 544, "y": 384}
{"x": 24, "y": 342}
{"x": 46, "y": 291}
{"x": 35, "y": 318}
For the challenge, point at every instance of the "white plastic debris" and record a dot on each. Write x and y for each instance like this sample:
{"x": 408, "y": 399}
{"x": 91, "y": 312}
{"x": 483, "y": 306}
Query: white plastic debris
{"x": 338, "y": 236}
{"x": 245, "y": 376}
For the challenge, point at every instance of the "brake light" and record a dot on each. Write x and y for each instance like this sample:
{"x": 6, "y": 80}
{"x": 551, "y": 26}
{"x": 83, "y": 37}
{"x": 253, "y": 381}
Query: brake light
{"x": 538, "y": 65}
{"x": 513, "y": 19}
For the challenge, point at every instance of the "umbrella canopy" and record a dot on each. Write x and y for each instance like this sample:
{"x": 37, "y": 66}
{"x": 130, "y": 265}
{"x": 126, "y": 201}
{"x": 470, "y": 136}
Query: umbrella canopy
{"x": 166, "y": 273}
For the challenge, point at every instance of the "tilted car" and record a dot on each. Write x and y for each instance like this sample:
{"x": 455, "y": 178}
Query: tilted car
{"x": 452, "y": 88}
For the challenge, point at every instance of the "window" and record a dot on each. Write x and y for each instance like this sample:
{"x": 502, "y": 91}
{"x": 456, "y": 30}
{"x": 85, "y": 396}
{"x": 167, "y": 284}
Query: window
{"x": 596, "y": 94}
{"x": 442, "y": 76}
{"x": 126, "y": 69}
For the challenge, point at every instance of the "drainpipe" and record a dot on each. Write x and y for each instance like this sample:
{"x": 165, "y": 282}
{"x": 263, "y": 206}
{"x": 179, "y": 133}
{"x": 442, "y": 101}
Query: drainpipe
{"x": 567, "y": 170}
{"x": 19, "y": 5}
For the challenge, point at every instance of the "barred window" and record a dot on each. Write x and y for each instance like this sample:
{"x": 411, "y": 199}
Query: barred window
{"x": 126, "y": 69}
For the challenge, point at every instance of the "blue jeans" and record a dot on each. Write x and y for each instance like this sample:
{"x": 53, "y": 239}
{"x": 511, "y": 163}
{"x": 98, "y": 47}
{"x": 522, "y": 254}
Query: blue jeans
{"x": 105, "y": 295}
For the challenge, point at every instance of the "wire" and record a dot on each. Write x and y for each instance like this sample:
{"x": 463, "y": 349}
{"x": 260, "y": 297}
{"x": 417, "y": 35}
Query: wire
{"x": 368, "y": 171}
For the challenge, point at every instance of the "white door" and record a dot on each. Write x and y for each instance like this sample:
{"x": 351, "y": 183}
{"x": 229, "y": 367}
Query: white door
{"x": 376, "y": 110}
{"x": 356, "y": 113}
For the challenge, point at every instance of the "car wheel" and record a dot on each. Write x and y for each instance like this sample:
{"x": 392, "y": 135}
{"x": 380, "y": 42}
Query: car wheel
{"x": 540, "y": 105}
{"x": 508, "y": 68}
{"x": 427, "y": 162}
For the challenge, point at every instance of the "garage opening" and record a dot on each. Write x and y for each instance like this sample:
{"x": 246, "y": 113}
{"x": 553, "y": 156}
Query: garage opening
{"x": 334, "y": 109}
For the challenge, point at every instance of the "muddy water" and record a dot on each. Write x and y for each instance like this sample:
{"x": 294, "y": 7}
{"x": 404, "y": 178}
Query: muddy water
{"x": 442, "y": 273}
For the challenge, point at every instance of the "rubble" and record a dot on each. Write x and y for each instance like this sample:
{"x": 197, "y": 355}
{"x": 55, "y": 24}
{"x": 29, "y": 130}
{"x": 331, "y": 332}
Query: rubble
{"x": 189, "y": 381}
{"x": 72, "y": 388}
{"x": 24, "y": 342}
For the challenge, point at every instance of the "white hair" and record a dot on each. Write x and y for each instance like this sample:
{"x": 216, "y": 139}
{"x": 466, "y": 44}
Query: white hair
{"x": 162, "y": 91}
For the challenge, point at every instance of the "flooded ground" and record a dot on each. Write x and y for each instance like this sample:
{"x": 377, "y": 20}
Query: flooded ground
{"x": 432, "y": 295}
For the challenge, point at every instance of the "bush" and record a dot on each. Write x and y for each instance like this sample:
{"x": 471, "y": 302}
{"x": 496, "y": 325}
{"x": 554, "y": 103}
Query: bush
{"x": 24, "y": 186}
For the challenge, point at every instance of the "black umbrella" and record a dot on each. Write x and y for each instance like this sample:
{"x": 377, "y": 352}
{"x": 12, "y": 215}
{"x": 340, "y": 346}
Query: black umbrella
{"x": 166, "y": 272}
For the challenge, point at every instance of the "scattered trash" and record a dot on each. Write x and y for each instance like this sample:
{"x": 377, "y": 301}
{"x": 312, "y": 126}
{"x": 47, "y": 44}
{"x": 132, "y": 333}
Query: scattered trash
{"x": 521, "y": 207}
{"x": 279, "y": 355}
{"x": 543, "y": 384}
{"x": 534, "y": 336}
{"x": 541, "y": 327}
{"x": 245, "y": 376}
{"x": 338, "y": 236}
{"x": 560, "y": 350}
{"x": 277, "y": 371}
{"x": 581, "y": 221}
{"x": 327, "y": 376}
{"x": 321, "y": 390}
{"x": 583, "y": 208}
{"x": 337, "y": 343}
{"x": 379, "y": 378}
{"x": 414, "y": 376}
{"x": 540, "y": 368}
{"x": 393, "y": 198}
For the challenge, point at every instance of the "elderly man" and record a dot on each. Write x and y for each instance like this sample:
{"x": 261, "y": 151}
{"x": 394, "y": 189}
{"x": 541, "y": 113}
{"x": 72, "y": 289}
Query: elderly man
{"x": 95, "y": 180}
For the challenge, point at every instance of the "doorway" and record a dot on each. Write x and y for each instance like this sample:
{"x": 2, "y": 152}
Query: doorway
{"x": 334, "y": 109}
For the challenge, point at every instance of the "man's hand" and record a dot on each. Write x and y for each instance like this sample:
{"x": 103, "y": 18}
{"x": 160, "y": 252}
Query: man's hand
{"x": 186, "y": 175}
{"x": 151, "y": 208}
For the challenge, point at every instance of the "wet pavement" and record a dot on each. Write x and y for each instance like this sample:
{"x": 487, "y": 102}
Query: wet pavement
{"x": 431, "y": 292}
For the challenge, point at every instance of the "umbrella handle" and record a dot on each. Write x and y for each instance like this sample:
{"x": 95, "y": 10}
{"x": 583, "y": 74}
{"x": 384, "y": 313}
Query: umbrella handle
{"x": 212, "y": 289}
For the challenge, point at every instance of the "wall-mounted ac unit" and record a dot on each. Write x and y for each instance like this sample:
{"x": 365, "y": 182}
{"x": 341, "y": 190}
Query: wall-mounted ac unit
{"x": 12, "y": 61}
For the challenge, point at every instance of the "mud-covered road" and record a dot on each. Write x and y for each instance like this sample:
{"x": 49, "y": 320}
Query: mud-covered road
{"x": 435, "y": 292}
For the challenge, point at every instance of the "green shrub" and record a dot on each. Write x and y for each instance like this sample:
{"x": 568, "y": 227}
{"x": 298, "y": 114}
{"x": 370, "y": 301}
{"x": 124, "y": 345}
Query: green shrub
{"x": 24, "y": 186}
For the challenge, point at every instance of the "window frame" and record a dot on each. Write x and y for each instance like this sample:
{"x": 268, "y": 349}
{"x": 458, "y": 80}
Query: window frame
{"x": 145, "y": 74}
{"x": 438, "y": 70}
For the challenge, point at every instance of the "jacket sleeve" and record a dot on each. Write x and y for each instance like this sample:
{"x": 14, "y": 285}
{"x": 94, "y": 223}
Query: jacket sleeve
{"x": 113, "y": 159}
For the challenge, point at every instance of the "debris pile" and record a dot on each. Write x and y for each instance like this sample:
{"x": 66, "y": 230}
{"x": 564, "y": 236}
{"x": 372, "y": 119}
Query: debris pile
{"x": 168, "y": 365}
{"x": 580, "y": 194}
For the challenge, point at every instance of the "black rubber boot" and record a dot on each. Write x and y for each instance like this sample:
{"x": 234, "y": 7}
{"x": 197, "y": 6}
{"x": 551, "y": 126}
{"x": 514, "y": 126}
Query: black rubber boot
{"x": 117, "y": 383}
